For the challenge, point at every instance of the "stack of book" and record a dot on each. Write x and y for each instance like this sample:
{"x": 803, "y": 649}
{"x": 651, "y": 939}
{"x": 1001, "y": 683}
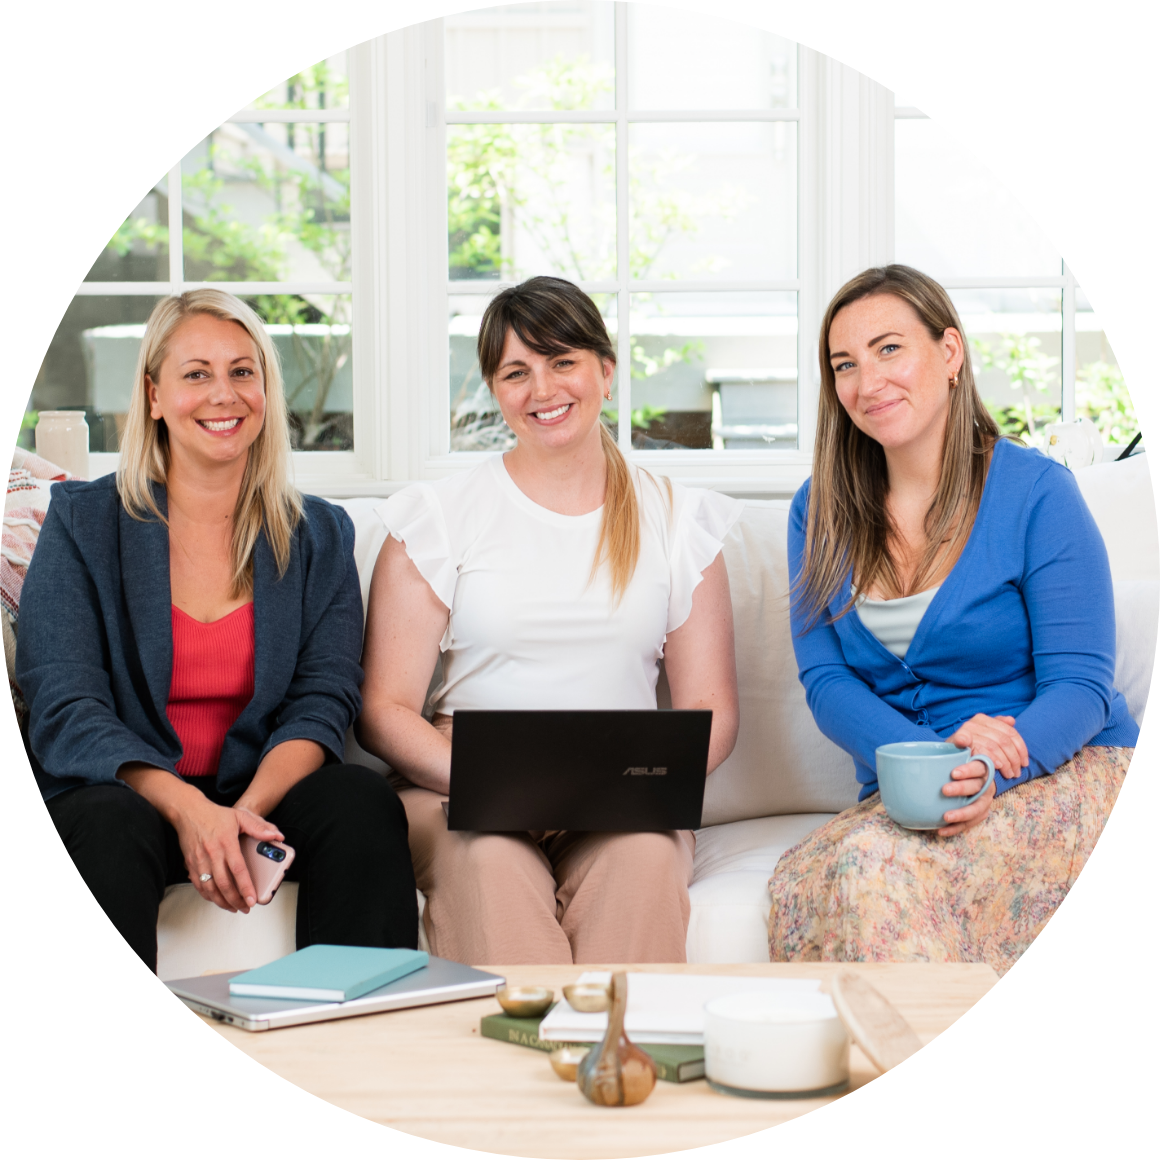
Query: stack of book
{"x": 665, "y": 1017}
{"x": 674, "y": 1063}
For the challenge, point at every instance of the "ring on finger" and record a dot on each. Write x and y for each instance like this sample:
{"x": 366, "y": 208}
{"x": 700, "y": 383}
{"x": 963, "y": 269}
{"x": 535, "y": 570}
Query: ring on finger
{"x": 205, "y": 878}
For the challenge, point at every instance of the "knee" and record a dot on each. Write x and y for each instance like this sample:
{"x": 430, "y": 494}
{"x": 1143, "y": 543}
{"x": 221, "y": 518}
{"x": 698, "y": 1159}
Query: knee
{"x": 359, "y": 798}
{"x": 491, "y": 855}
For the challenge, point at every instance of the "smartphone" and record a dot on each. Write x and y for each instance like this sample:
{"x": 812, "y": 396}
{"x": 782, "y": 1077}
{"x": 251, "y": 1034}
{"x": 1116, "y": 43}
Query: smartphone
{"x": 267, "y": 863}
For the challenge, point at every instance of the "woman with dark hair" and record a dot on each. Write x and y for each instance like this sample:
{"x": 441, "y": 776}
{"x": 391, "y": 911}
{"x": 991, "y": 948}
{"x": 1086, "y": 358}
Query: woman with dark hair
{"x": 949, "y": 585}
{"x": 555, "y": 576}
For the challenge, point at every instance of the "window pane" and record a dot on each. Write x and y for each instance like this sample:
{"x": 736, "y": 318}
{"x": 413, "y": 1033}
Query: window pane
{"x": 90, "y": 365}
{"x": 1100, "y": 391}
{"x": 714, "y": 371}
{"x": 531, "y": 56}
{"x": 684, "y": 60}
{"x": 321, "y": 86}
{"x": 531, "y": 199}
{"x": 311, "y": 333}
{"x": 476, "y": 423}
{"x": 714, "y": 200}
{"x": 1015, "y": 337}
{"x": 139, "y": 250}
{"x": 268, "y": 203}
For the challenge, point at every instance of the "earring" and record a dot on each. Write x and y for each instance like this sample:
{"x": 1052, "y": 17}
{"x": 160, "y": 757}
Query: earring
{"x": 954, "y": 380}
{"x": 608, "y": 395}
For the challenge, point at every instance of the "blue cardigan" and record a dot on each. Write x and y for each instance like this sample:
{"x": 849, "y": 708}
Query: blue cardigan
{"x": 1024, "y": 625}
{"x": 94, "y": 654}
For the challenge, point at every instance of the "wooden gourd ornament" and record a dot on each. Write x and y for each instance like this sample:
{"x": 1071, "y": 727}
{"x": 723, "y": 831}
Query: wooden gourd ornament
{"x": 615, "y": 1073}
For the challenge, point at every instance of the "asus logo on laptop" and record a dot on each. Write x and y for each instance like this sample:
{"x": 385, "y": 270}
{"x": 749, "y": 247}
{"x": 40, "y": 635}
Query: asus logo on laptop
{"x": 644, "y": 771}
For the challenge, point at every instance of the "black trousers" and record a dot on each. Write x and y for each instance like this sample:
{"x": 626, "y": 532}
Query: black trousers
{"x": 345, "y": 822}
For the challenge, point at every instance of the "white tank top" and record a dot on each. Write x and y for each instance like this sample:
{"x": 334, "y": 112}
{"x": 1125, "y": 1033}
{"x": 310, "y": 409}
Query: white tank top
{"x": 894, "y": 622}
{"x": 527, "y": 628}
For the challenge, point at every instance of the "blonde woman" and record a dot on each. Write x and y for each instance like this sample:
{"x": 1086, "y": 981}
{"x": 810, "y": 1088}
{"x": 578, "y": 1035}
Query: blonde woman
{"x": 189, "y": 650}
{"x": 950, "y": 585}
{"x": 555, "y": 576}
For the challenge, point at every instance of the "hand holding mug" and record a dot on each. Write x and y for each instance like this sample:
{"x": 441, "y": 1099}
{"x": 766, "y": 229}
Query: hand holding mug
{"x": 966, "y": 781}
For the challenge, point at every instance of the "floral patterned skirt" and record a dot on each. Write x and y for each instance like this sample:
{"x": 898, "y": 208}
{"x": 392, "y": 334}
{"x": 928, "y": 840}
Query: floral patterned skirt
{"x": 861, "y": 888}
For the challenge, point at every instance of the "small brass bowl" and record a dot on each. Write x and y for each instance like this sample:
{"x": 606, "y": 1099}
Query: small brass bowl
{"x": 565, "y": 1061}
{"x": 525, "y": 1002}
{"x": 588, "y": 997}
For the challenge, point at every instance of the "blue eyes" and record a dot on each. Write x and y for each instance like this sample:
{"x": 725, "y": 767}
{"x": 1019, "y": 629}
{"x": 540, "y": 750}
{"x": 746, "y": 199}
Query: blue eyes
{"x": 888, "y": 348}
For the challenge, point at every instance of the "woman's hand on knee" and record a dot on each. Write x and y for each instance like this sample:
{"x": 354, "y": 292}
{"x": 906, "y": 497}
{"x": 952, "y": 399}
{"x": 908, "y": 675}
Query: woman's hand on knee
{"x": 966, "y": 780}
{"x": 209, "y": 836}
{"x": 998, "y": 738}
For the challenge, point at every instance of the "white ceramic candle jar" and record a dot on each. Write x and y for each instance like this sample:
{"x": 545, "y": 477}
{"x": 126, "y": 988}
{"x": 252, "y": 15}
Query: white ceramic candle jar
{"x": 770, "y": 1045}
{"x": 62, "y": 437}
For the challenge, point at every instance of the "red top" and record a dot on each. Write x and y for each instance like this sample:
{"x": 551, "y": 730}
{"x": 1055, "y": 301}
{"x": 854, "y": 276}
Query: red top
{"x": 213, "y": 681}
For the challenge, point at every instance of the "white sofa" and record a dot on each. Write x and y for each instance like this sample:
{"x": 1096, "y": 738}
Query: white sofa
{"x": 782, "y": 780}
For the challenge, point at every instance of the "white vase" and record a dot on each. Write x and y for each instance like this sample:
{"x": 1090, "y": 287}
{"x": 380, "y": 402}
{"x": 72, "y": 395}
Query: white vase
{"x": 1077, "y": 444}
{"x": 62, "y": 437}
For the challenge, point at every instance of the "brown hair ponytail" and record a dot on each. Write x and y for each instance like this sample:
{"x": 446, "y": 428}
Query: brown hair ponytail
{"x": 552, "y": 316}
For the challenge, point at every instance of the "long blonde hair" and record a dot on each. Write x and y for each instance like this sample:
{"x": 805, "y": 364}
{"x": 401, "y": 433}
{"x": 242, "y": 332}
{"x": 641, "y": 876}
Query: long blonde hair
{"x": 551, "y": 316}
{"x": 267, "y": 499}
{"x": 848, "y": 527}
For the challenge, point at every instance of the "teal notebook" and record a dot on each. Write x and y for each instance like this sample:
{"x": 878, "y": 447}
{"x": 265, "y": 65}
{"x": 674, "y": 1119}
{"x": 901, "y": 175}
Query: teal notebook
{"x": 327, "y": 973}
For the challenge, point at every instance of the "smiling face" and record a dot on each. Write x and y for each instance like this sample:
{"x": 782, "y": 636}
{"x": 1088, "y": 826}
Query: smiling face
{"x": 210, "y": 392}
{"x": 551, "y": 402}
{"x": 892, "y": 377}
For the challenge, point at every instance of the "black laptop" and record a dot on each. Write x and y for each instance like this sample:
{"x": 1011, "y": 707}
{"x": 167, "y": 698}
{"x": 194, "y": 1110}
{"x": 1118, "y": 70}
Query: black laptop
{"x": 619, "y": 769}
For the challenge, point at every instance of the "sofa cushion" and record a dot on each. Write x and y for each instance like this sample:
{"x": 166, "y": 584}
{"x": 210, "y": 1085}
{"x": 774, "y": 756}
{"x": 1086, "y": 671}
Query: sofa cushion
{"x": 752, "y": 844}
{"x": 729, "y": 898}
{"x": 782, "y": 764}
{"x": 369, "y": 534}
{"x": 1137, "y": 612}
{"x": 1119, "y": 496}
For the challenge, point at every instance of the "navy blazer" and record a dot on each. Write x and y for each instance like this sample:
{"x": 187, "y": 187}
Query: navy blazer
{"x": 94, "y": 653}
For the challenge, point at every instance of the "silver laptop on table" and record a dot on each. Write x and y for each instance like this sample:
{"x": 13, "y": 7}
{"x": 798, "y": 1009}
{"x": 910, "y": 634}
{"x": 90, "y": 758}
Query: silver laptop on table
{"x": 440, "y": 981}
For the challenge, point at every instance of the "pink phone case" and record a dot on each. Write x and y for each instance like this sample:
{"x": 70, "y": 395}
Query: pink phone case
{"x": 266, "y": 872}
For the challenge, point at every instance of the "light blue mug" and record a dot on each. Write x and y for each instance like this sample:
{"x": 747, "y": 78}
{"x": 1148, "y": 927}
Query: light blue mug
{"x": 911, "y": 776}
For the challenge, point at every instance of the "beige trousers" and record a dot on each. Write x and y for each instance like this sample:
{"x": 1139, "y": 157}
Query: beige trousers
{"x": 559, "y": 897}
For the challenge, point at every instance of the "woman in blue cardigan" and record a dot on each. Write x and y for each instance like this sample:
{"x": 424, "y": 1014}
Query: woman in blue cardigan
{"x": 189, "y": 645}
{"x": 948, "y": 585}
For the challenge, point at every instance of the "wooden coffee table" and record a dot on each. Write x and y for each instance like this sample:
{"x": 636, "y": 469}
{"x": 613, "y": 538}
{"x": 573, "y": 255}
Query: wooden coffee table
{"x": 427, "y": 1071}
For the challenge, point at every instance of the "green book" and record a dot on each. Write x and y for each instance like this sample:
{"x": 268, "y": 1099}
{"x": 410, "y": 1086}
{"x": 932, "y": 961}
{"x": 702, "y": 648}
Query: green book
{"x": 676, "y": 1063}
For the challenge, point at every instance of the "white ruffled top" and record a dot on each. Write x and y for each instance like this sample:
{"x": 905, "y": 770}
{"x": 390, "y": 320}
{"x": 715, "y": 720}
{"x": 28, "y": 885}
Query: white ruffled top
{"x": 527, "y": 629}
